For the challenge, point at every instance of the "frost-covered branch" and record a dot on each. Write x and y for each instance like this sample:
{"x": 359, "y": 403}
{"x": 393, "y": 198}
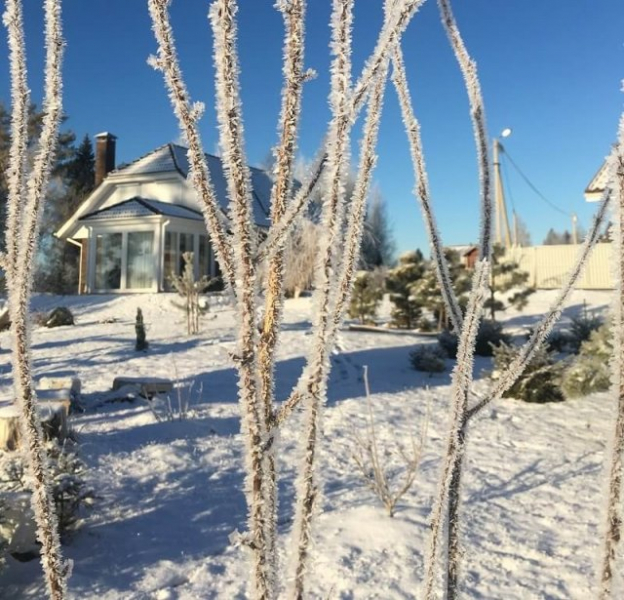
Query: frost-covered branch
{"x": 357, "y": 206}
{"x": 612, "y": 533}
{"x": 394, "y": 26}
{"x": 422, "y": 190}
{"x": 545, "y": 326}
{"x": 397, "y": 17}
{"x": 353, "y": 236}
{"x": 477, "y": 112}
{"x": 26, "y": 198}
{"x": 20, "y": 97}
{"x": 293, "y": 12}
{"x": 332, "y": 223}
{"x": 188, "y": 114}
{"x": 448, "y": 489}
{"x": 223, "y": 22}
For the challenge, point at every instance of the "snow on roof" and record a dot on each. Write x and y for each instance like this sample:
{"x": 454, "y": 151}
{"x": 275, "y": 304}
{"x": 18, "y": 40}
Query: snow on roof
{"x": 142, "y": 207}
{"x": 172, "y": 157}
{"x": 597, "y": 185}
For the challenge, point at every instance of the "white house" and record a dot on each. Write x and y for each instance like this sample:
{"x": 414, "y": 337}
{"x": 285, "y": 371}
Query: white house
{"x": 596, "y": 187}
{"x": 134, "y": 227}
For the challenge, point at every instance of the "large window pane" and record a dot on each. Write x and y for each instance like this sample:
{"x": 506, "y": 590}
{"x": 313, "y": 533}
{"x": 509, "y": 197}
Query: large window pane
{"x": 170, "y": 260}
{"x": 108, "y": 261}
{"x": 204, "y": 256}
{"x": 186, "y": 245}
{"x": 140, "y": 272}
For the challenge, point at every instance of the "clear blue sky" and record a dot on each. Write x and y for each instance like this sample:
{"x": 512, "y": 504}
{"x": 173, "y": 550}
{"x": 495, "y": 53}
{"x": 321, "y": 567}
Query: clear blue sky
{"x": 550, "y": 69}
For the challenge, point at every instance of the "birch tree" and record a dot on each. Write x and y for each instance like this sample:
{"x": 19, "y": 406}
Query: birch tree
{"x": 26, "y": 195}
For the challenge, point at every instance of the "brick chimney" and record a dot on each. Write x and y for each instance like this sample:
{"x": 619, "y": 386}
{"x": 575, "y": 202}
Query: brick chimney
{"x": 104, "y": 155}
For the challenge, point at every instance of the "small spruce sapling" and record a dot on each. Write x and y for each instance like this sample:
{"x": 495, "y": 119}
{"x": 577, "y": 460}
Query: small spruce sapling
{"x": 141, "y": 338}
{"x": 365, "y": 298}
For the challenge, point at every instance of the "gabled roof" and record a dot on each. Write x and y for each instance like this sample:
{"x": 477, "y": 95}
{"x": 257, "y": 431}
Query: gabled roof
{"x": 142, "y": 207}
{"x": 173, "y": 157}
{"x": 598, "y": 184}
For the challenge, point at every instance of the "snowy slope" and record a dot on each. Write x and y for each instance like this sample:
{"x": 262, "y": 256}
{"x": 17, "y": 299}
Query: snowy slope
{"x": 170, "y": 493}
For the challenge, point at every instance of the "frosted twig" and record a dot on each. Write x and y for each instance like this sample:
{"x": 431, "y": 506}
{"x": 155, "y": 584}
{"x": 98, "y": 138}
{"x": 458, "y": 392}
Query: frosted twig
{"x": 390, "y": 35}
{"x": 167, "y": 62}
{"x": 293, "y": 13}
{"x": 353, "y": 236}
{"x": 20, "y": 99}
{"x": 357, "y": 207}
{"x": 422, "y": 190}
{"x": 223, "y": 22}
{"x": 614, "y": 518}
{"x": 25, "y": 217}
{"x": 477, "y": 112}
{"x": 332, "y": 222}
{"x": 545, "y": 326}
{"x": 448, "y": 491}
{"x": 368, "y": 461}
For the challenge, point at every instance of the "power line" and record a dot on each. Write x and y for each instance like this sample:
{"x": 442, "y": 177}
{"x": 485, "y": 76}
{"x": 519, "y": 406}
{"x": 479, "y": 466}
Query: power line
{"x": 533, "y": 187}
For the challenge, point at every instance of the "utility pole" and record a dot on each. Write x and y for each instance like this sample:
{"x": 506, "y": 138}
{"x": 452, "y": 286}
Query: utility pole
{"x": 574, "y": 229}
{"x": 502, "y": 220}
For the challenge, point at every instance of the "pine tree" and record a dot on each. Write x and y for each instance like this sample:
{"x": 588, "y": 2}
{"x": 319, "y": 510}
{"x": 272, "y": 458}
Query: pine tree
{"x": 428, "y": 294}
{"x": 64, "y": 153}
{"x": 58, "y": 261}
{"x": 365, "y": 297}
{"x": 400, "y": 283}
{"x": 377, "y": 241}
{"x": 506, "y": 276}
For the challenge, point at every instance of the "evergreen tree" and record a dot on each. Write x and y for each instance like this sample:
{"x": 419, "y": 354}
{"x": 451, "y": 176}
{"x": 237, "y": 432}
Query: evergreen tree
{"x": 554, "y": 238}
{"x": 377, "y": 241}
{"x": 58, "y": 265}
{"x": 365, "y": 297}
{"x": 428, "y": 294}
{"x": 141, "y": 343}
{"x": 64, "y": 153}
{"x": 505, "y": 277}
{"x": 400, "y": 283}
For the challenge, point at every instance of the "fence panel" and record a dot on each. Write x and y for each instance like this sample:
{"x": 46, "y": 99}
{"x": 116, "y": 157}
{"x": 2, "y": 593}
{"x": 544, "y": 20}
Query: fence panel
{"x": 548, "y": 266}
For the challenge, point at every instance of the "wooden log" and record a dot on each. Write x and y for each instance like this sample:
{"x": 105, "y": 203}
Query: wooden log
{"x": 148, "y": 386}
{"x": 68, "y": 388}
{"x": 9, "y": 428}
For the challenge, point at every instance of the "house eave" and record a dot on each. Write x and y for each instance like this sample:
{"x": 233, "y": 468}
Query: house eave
{"x": 69, "y": 228}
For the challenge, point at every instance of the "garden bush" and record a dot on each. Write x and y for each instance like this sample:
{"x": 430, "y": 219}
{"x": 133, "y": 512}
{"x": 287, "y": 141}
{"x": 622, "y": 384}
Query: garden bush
{"x": 429, "y": 358}
{"x": 590, "y": 371}
{"x": 489, "y": 336}
{"x": 540, "y": 382}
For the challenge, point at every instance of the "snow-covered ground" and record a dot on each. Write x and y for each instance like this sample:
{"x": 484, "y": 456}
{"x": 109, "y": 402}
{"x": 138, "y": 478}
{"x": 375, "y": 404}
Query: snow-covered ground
{"x": 170, "y": 493}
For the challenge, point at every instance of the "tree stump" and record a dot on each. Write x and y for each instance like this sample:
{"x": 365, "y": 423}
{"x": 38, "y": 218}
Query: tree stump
{"x": 53, "y": 414}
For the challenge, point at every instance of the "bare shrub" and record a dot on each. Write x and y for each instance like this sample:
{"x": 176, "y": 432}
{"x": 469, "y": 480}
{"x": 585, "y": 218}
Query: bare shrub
{"x": 370, "y": 460}
{"x": 191, "y": 289}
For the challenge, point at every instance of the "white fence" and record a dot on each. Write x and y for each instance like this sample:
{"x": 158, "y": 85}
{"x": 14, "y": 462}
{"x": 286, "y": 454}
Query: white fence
{"x": 548, "y": 266}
